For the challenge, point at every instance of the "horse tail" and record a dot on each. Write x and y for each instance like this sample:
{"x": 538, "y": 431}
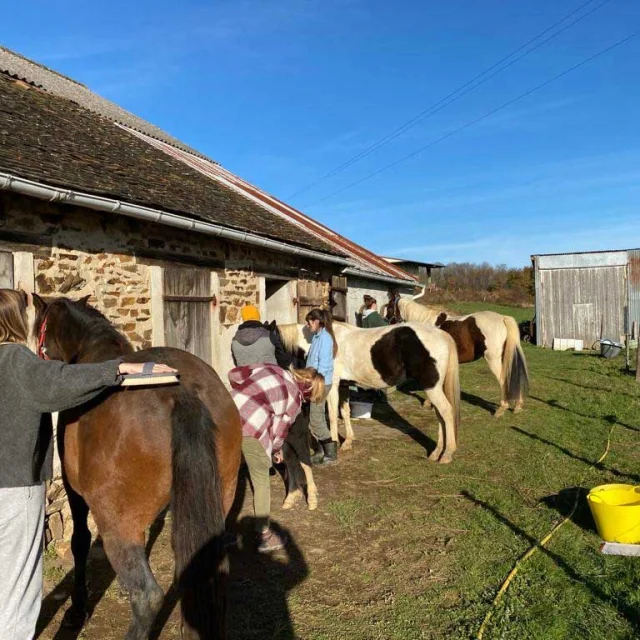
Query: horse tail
{"x": 452, "y": 382}
{"x": 514, "y": 365}
{"x": 198, "y": 520}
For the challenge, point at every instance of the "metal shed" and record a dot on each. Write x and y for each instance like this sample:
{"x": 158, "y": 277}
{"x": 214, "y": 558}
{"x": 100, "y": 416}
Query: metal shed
{"x": 587, "y": 296}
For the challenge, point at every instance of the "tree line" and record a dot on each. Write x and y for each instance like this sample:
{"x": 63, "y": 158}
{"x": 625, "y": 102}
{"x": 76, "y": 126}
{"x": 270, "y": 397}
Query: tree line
{"x": 485, "y": 282}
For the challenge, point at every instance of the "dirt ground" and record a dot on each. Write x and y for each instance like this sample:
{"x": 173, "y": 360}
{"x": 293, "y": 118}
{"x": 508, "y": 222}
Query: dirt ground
{"x": 260, "y": 585}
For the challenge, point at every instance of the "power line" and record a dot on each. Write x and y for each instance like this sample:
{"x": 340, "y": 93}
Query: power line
{"x": 452, "y": 97}
{"x": 478, "y": 119}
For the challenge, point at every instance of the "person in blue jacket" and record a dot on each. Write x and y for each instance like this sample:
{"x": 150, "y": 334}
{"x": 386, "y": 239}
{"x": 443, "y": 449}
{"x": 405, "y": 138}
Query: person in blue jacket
{"x": 321, "y": 355}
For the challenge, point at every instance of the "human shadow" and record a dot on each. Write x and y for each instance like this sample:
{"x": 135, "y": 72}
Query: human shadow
{"x": 100, "y": 576}
{"x": 622, "y": 602}
{"x": 259, "y": 584}
{"x": 610, "y": 418}
{"x": 388, "y": 416}
{"x": 592, "y": 463}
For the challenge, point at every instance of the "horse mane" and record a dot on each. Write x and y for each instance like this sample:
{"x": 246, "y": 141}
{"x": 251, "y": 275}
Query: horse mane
{"x": 289, "y": 335}
{"x": 96, "y": 330}
{"x": 415, "y": 312}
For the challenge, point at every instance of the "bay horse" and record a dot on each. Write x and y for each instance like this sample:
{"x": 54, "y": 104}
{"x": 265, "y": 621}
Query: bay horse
{"x": 483, "y": 334}
{"x": 130, "y": 453}
{"x": 385, "y": 357}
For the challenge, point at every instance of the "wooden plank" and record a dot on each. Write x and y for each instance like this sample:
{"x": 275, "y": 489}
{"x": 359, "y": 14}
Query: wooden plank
{"x": 6, "y": 270}
{"x": 188, "y": 298}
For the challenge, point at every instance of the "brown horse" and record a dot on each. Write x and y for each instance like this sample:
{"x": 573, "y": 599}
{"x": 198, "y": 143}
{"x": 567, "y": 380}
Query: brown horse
{"x": 483, "y": 334}
{"x": 131, "y": 452}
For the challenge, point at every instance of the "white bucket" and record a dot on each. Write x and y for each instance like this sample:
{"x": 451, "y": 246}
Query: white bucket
{"x": 360, "y": 409}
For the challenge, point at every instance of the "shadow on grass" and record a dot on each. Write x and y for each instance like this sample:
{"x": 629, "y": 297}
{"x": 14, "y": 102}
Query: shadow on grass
{"x": 619, "y": 602}
{"x": 563, "y": 503}
{"x": 591, "y": 387}
{"x": 477, "y": 401}
{"x": 388, "y": 416}
{"x": 100, "y": 577}
{"x": 610, "y": 418}
{"x": 592, "y": 463}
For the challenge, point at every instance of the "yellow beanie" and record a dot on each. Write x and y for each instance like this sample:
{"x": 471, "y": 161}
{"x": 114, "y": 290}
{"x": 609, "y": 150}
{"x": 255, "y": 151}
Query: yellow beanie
{"x": 250, "y": 313}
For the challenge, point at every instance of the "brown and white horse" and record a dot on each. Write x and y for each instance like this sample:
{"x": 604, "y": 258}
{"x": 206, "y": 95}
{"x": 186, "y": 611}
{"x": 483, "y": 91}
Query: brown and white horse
{"x": 385, "y": 357}
{"x": 484, "y": 334}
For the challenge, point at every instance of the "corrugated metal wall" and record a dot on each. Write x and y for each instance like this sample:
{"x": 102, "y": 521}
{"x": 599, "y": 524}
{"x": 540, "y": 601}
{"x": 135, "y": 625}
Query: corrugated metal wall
{"x": 634, "y": 290}
{"x": 583, "y": 303}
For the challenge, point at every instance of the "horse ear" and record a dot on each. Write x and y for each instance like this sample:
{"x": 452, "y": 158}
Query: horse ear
{"x": 82, "y": 303}
{"x": 39, "y": 303}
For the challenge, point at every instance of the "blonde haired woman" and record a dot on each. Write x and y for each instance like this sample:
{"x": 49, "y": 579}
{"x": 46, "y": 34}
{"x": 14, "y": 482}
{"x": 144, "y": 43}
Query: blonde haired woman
{"x": 29, "y": 388}
{"x": 269, "y": 400}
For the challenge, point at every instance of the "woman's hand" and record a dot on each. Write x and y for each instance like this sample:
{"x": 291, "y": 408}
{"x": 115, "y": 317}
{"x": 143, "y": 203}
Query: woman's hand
{"x": 136, "y": 367}
{"x": 277, "y": 457}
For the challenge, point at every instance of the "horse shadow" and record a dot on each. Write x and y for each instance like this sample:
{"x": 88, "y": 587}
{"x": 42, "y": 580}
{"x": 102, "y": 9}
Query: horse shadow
{"x": 388, "y": 416}
{"x": 477, "y": 401}
{"x": 596, "y": 465}
{"x": 624, "y": 605}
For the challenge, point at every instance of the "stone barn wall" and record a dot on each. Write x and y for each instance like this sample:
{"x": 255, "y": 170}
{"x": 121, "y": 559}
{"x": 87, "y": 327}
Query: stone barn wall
{"x": 78, "y": 252}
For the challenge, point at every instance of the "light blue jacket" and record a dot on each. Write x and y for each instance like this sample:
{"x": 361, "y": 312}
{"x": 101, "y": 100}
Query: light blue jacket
{"x": 320, "y": 355}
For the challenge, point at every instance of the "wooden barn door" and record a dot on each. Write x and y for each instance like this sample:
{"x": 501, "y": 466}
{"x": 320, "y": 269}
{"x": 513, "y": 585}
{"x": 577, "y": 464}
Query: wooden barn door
{"x": 187, "y": 310}
{"x": 338, "y": 301}
{"x": 310, "y": 296}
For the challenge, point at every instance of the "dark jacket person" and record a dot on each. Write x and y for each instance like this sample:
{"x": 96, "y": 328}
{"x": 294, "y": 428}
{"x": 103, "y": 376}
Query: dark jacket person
{"x": 256, "y": 344}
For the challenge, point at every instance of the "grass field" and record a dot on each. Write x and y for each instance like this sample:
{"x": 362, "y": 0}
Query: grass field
{"x": 401, "y": 548}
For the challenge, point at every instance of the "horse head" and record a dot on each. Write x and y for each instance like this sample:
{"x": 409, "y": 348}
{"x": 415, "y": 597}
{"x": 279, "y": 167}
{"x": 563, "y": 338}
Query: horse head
{"x": 66, "y": 329}
{"x": 393, "y": 315}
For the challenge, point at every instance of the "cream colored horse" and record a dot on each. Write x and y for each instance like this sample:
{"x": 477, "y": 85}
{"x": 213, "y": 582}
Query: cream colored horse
{"x": 487, "y": 334}
{"x": 385, "y": 357}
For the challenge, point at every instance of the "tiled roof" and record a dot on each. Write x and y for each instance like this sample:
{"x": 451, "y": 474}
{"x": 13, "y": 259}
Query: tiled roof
{"x": 53, "y": 82}
{"x": 75, "y": 145}
{"x": 365, "y": 259}
{"x": 49, "y": 139}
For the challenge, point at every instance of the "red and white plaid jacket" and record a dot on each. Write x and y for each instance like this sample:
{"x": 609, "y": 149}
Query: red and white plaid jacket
{"x": 269, "y": 400}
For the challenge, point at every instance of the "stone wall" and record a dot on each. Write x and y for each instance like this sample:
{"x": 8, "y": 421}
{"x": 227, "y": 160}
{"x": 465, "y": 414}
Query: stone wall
{"x": 79, "y": 252}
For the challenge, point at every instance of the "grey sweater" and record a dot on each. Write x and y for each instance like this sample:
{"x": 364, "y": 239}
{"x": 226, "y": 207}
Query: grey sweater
{"x": 29, "y": 388}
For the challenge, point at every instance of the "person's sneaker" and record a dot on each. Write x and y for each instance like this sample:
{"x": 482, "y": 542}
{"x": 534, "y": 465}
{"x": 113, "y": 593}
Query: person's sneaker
{"x": 269, "y": 541}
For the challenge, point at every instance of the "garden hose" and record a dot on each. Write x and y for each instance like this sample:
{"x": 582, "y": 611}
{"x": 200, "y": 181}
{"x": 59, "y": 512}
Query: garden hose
{"x": 541, "y": 543}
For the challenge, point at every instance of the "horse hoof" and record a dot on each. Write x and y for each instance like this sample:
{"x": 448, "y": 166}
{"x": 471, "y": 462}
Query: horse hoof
{"x": 312, "y": 504}
{"x": 517, "y": 409}
{"x": 290, "y": 500}
{"x": 434, "y": 455}
{"x": 346, "y": 445}
{"x": 446, "y": 458}
{"x": 499, "y": 413}
{"x": 74, "y": 618}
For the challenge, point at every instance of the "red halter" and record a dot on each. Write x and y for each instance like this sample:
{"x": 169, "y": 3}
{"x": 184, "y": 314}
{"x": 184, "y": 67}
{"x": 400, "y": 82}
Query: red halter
{"x": 42, "y": 350}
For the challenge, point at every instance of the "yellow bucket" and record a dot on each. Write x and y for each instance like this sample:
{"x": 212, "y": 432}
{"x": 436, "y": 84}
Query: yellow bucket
{"x": 616, "y": 510}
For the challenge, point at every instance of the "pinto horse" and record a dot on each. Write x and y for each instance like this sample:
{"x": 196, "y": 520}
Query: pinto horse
{"x": 487, "y": 334}
{"x": 385, "y": 357}
{"x": 130, "y": 453}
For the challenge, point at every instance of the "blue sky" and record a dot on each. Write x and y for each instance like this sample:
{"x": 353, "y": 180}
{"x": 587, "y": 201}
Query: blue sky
{"x": 283, "y": 91}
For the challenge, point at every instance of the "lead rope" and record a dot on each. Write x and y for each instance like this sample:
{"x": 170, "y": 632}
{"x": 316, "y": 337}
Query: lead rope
{"x": 541, "y": 543}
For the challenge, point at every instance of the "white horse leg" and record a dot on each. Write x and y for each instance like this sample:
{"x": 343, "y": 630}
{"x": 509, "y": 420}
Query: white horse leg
{"x": 444, "y": 412}
{"x": 312, "y": 489}
{"x": 495, "y": 364}
{"x": 436, "y": 453}
{"x": 332, "y": 404}
{"x": 345, "y": 409}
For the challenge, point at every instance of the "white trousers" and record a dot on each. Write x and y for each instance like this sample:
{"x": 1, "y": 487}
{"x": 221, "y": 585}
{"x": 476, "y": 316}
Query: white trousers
{"x": 21, "y": 545}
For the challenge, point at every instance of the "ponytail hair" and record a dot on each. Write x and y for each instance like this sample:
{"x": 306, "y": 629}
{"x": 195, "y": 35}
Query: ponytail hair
{"x": 324, "y": 317}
